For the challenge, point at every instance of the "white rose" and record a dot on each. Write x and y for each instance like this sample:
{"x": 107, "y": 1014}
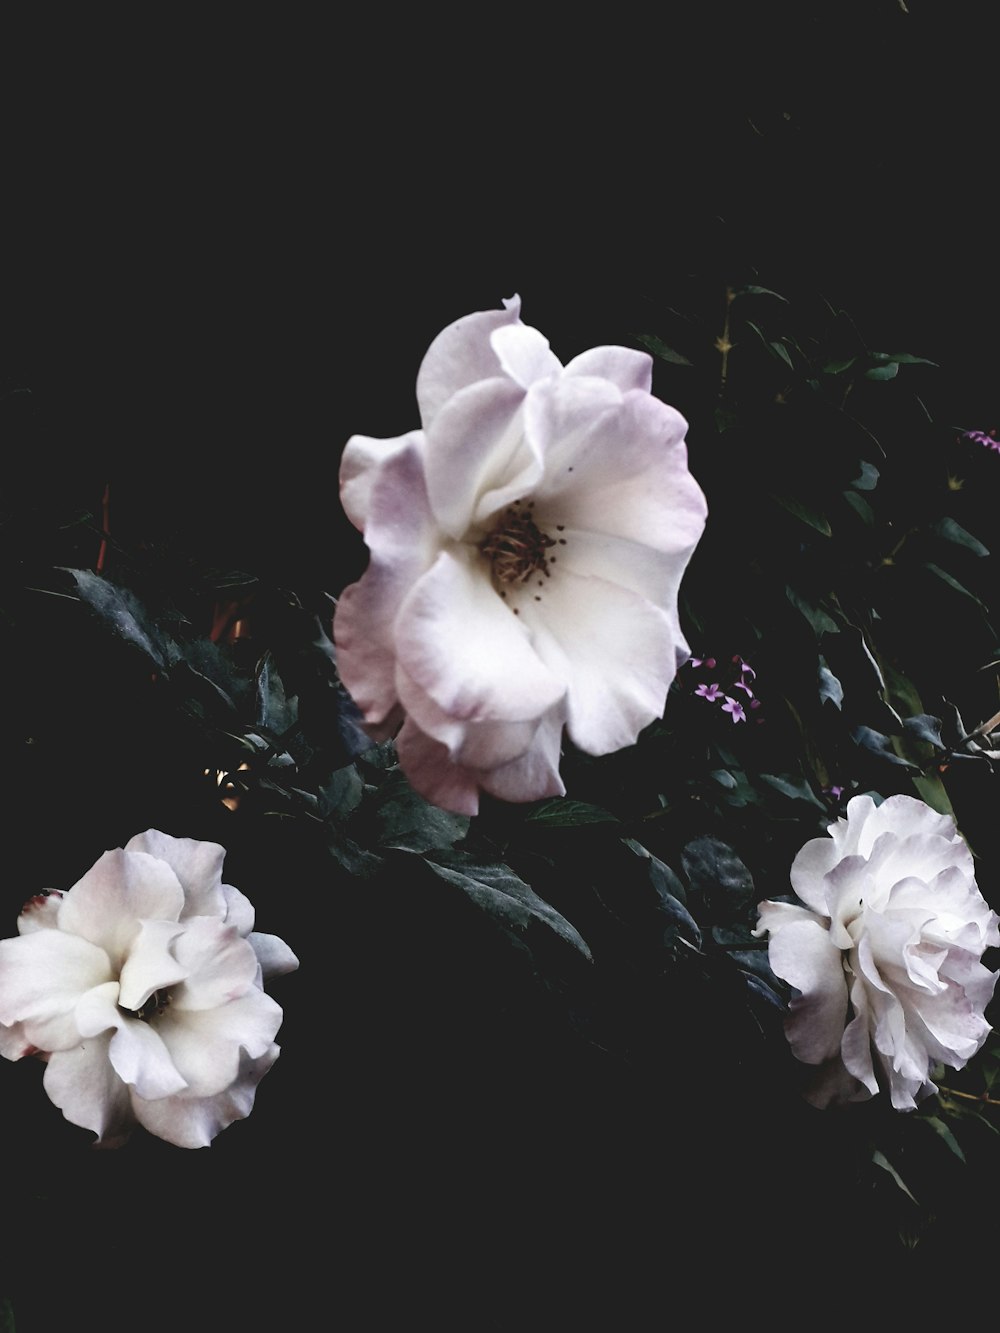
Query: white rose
{"x": 526, "y": 550}
{"x": 885, "y": 954}
{"x": 141, "y": 987}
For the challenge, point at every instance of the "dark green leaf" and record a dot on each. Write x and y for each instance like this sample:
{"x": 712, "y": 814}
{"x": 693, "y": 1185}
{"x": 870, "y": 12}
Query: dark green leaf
{"x": 868, "y": 478}
{"x": 887, "y": 372}
{"x": 717, "y": 874}
{"x": 876, "y": 743}
{"x": 796, "y": 789}
{"x": 952, "y": 582}
{"x": 926, "y": 728}
{"x": 881, "y": 1160}
{"x": 860, "y": 506}
{"x": 818, "y": 618}
{"x": 405, "y": 820}
{"x": 505, "y": 896}
{"x": 759, "y": 291}
{"x": 837, "y": 367}
{"x": 954, "y": 532}
{"x": 660, "y": 349}
{"x": 939, "y": 1127}
{"x": 906, "y": 359}
{"x": 563, "y": 813}
{"x": 829, "y": 686}
{"x": 803, "y": 512}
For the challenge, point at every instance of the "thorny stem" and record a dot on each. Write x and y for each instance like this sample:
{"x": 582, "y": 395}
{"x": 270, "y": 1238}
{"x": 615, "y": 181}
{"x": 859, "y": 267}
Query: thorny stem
{"x": 969, "y": 1096}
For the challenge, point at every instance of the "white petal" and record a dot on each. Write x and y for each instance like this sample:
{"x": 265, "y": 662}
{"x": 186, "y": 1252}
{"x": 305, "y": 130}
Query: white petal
{"x": 204, "y": 1044}
{"x": 82, "y": 1083}
{"x": 473, "y": 744}
{"x": 239, "y": 910}
{"x": 362, "y": 461}
{"x": 811, "y": 865}
{"x": 219, "y": 965}
{"x": 192, "y": 1122}
{"x": 477, "y": 456}
{"x": 433, "y": 774}
{"x": 403, "y": 542}
{"x": 198, "y": 866}
{"x": 40, "y": 912}
{"x": 150, "y": 965}
{"x": 524, "y": 354}
{"x": 535, "y": 775}
{"x": 140, "y": 1058}
{"x": 615, "y": 463}
{"x": 457, "y": 640}
{"x": 615, "y": 650}
{"x": 460, "y": 355}
{"x": 273, "y": 954}
{"x": 623, "y": 366}
{"x": 42, "y": 976}
{"x": 14, "y": 1044}
{"x": 106, "y": 905}
{"x": 801, "y": 953}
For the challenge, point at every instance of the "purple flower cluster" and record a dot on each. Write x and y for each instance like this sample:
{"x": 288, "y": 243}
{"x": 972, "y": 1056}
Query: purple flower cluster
{"x": 718, "y": 683}
{"x": 988, "y": 438}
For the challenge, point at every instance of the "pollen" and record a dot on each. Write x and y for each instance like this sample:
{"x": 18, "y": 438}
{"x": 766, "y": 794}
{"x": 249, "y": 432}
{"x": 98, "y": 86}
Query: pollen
{"x": 516, "y": 547}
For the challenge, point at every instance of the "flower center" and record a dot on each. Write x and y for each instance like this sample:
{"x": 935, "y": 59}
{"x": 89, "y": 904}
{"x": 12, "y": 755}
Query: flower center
{"x": 156, "y": 1004}
{"x": 516, "y": 547}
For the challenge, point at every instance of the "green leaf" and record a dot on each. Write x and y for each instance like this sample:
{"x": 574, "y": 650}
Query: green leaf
{"x": 829, "y": 686}
{"x": 860, "y": 506}
{"x": 839, "y": 366}
{"x": 560, "y": 812}
{"x": 659, "y": 348}
{"x": 717, "y": 874}
{"x": 6, "y": 1316}
{"x": 723, "y": 777}
{"x": 406, "y": 821}
{"x": 759, "y": 291}
{"x": 952, "y": 582}
{"x": 907, "y": 359}
{"x": 954, "y": 532}
{"x": 887, "y": 372}
{"x": 803, "y": 512}
{"x": 939, "y": 1127}
{"x": 505, "y": 896}
{"x": 796, "y": 789}
{"x": 925, "y": 727}
{"x": 877, "y": 743}
{"x": 868, "y": 478}
{"x": 881, "y": 1160}
{"x": 818, "y": 618}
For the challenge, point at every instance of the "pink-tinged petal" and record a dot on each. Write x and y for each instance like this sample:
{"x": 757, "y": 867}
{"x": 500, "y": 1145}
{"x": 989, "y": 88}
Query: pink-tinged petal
{"x": 403, "y": 543}
{"x": 273, "y": 954}
{"x": 623, "y": 366}
{"x": 535, "y": 775}
{"x": 85, "y": 1087}
{"x": 204, "y": 1044}
{"x": 150, "y": 965}
{"x": 193, "y": 1122}
{"x": 460, "y": 643}
{"x": 239, "y": 910}
{"x": 477, "y": 457}
{"x": 801, "y": 953}
{"x": 473, "y": 744}
{"x": 42, "y": 976}
{"x": 524, "y": 354}
{"x": 615, "y": 463}
{"x": 198, "y": 866}
{"x": 856, "y": 1049}
{"x": 461, "y": 355}
{"x": 616, "y": 652}
{"x": 220, "y": 965}
{"x": 433, "y": 774}
{"x": 40, "y": 912}
{"x": 653, "y": 574}
{"x": 772, "y": 916}
{"x": 360, "y": 466}
{"x": 905, "y": 816}
{"x": 106, "y": 905}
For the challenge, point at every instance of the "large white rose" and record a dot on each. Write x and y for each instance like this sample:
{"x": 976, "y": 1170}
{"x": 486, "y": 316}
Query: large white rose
{"x": 526, "y": 550}
{"x": 885, "y": 954}
{"x": 142, "y": 988}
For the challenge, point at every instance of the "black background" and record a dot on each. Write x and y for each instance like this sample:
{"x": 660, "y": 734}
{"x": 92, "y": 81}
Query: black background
{"x": 224, "y": 251}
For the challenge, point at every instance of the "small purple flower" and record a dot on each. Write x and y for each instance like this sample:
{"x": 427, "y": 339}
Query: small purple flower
{"x": 736, "y": 708}
{"x": 834, "y": 793}
{"x": 711, "y": 692}
{"x": 742, "y": 685}
{"x": 702, "y": 661}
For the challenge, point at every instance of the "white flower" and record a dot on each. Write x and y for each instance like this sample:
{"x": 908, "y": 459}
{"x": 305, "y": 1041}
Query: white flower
{"x": 142, "y": 989}
{"x": 526, "y": 550}
{"x": 885, "y": 954}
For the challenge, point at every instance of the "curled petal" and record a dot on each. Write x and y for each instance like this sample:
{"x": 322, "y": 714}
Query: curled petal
{"x": 85, "y": 1087}
{"x": 801, "y": 954}
{"x": 122, "y": 889}
{"x": 198, "y": 866}
{"x": 461, "y": 355}
{"x": 360, "y": 467}
{"x": 42, "y": 977}
{"x": 193, "y": 1122}
{"x": 204, "y": 1044}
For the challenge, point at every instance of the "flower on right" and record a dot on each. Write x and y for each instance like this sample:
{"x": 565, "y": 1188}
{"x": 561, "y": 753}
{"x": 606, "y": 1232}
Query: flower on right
{"x": 885, "y": 954}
